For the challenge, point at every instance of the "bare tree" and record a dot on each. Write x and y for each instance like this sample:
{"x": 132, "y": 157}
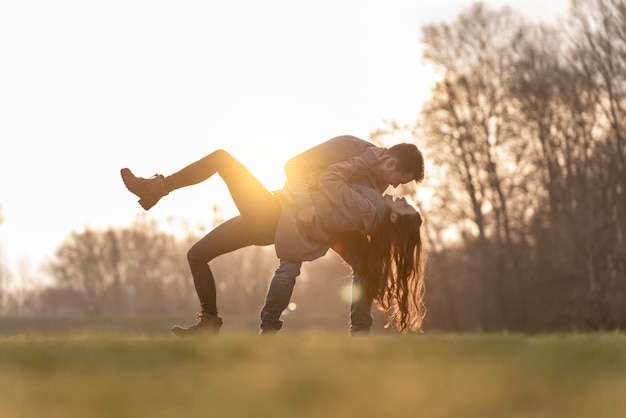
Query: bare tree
{"x": 470, "y": 129}
{"x": 525, "y": 129}
{"x": 125, "y": 270}
{"x": 598, "y": 55}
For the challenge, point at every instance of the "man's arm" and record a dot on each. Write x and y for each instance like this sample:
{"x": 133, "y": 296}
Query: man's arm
{"x": 303, "y": 170}
{"x": 335, "y": 183}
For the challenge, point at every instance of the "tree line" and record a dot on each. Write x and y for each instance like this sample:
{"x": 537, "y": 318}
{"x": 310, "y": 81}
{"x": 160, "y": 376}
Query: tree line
{"x": 524, "y": 135}
{"x": 141, "y": 269}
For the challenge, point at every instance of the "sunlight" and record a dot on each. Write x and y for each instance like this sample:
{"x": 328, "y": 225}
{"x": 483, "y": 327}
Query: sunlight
{"x": 348, "y": 294}
{"x": 267, "y": 164}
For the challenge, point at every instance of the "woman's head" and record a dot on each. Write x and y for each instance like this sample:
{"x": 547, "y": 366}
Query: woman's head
{"x": 393, "y": 270}
{"x": 398, "y": 207}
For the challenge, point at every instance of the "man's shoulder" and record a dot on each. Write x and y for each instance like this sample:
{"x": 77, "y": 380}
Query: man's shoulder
{"x": 338, "y": 148}
{"x": 351, "y": 139}
{"x": 346, "y": 146}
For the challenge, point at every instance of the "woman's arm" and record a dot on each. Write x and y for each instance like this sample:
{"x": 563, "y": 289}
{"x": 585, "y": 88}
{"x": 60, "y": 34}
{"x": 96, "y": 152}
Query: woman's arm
{"x": 349, "y": 203}
{"x": 303, "y": 170}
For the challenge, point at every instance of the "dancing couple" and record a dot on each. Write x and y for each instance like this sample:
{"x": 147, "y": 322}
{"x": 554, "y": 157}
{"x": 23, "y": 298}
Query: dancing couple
{"x": 333, "y": 199}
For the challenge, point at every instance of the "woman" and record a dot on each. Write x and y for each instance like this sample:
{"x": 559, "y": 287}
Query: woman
{"x": 392, "y": 267}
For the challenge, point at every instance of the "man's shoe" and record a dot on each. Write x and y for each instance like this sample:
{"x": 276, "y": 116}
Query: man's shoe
{"x": 268, "y": 331}
{"x": 207, "y": 324}
{"x": 149, "y": 190}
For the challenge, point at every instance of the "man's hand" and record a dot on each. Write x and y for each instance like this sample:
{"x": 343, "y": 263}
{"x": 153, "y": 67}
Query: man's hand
{"x": 305, "y": 216}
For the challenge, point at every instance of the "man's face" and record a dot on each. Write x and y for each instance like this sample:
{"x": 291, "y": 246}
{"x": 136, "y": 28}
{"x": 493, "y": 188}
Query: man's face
{"x": 388, "y": 174}
{"x": 397, "y": 178}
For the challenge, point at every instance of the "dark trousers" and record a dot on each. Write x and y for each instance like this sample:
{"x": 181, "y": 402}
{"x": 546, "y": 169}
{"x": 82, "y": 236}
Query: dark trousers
{"x": 259, "y": 212}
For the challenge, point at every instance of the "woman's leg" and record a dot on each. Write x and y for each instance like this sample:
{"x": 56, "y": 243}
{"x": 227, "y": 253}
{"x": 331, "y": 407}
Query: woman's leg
{"x": 249, "y": 195}
{"x": 231, "y": 235}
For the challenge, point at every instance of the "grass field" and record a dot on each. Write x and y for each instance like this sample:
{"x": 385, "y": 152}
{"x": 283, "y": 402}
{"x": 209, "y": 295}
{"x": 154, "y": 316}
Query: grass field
{"x": 312, "y": 374}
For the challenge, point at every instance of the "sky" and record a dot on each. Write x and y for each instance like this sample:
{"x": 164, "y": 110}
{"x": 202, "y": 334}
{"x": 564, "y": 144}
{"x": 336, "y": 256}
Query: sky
{"x": 89, "y": 87}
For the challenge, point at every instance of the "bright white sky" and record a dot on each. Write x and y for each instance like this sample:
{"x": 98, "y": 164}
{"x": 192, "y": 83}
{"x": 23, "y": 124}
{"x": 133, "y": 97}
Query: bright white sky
{"x": 88, "y": 87}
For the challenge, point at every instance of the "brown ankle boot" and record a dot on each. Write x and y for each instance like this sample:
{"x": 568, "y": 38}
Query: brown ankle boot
{"x": 149, "y": 190}
{"x": 207, "y": 324}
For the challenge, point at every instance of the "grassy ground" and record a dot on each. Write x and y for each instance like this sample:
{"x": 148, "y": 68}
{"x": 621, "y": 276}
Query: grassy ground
{"x": 312, "y": 374}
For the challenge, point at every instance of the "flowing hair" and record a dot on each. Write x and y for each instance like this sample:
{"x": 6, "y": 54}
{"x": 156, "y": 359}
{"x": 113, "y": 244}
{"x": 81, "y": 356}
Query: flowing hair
{"x": 393, "y": 272}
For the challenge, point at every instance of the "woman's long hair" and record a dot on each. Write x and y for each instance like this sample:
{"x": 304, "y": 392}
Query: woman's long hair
{"x": 393, "y": 272}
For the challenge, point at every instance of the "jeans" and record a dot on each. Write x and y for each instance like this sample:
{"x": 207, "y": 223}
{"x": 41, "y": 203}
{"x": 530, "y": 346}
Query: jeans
{"x": 279, "y": 294}
{"x": 360, "y": 309}
{"x": 350, "y": 247}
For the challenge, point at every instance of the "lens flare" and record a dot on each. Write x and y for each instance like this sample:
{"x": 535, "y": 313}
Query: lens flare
{"x": 350, "y": 293}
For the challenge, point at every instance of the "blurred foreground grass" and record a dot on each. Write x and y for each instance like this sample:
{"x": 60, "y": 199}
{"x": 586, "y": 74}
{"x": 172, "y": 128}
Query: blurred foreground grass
{"x": 313, "y": 374}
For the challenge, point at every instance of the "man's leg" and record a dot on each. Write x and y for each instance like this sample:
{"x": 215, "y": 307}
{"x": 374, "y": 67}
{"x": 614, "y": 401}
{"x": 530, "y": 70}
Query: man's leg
{"x": 360, "y": 309}
{"x": 350, "y": 246}
{"x": 279, "y": 295}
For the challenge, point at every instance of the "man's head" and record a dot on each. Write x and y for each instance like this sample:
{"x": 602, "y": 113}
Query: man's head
{"x": 403, "y": 164}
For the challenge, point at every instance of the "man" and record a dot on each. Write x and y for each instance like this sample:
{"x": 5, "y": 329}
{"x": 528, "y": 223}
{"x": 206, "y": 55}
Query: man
{"x": 399, "y": 164}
